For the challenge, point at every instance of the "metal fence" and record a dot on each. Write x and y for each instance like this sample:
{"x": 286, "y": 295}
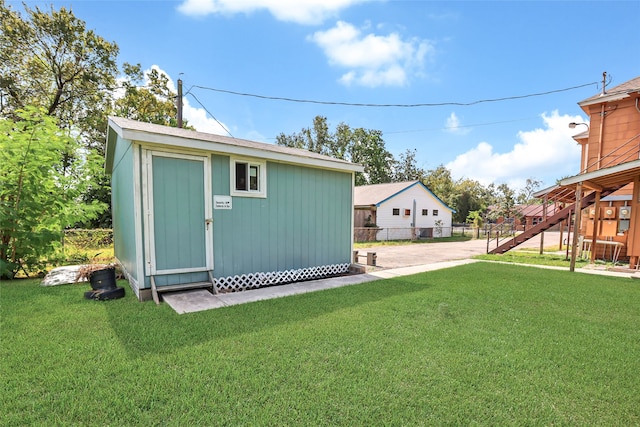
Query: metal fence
{"x": 85, "y": 238}
{"x": 372, "y": 234}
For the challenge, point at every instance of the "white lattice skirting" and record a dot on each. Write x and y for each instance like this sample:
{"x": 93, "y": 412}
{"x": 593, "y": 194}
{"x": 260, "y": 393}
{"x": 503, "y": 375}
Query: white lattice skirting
{"x": 245, "y": 282}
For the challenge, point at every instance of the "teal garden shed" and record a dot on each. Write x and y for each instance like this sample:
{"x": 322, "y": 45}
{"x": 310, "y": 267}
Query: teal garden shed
{"x": 192, "y": 209}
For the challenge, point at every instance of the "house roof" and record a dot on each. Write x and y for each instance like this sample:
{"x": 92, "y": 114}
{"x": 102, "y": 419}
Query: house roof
{"x": 615, "y": 93}
{"x": 376, "y": 194}
{"x": 189, "y": 139}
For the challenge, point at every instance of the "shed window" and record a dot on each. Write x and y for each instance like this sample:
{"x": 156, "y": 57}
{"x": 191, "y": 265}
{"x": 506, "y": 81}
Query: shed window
{"x": 396, "y": 211}
{"x": 435, "y": 212}
{"x": 425, "y": 212}
{"x": 248, "y": 178}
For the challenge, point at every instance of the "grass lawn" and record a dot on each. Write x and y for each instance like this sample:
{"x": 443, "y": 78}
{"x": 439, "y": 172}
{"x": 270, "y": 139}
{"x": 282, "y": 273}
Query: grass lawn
{"x": 528, "y": 256}
{"x": 485, "y": 343}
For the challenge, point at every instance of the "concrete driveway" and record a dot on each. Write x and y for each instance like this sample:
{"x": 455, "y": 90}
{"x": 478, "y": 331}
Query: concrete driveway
{"x": 430, "y": 253}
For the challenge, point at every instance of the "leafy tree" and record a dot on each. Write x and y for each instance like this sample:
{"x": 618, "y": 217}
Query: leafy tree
{"x": 469, "y": 197}
{"x": 40, "y": 190}
{"x": 475, "y": 218}
{"x": 50, "y": 60}
{"x": 525, "y": 197}
{"x": 406, "y": 169}
{"x": 340, "y": 144}
{"x": 154, "y": 102}
{"x": 319, "y": 139}
{"x": 440, "y": 182}
{"x": 368, "y": 149}
{"x": 505, "y": 202}
{"x": 359, "y": 145}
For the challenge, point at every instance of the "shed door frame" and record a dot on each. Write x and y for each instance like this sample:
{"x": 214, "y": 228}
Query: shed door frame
{"x": 147, "y": 201}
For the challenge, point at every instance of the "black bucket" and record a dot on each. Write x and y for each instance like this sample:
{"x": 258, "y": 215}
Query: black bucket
{"x": 103, "y": 279}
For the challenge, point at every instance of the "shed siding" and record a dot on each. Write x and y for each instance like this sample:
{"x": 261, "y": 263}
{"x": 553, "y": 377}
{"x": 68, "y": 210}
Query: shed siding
{"x": 179, "y": 211}
{"x": 404, "y": 200}
{"x": 123, "y": 202}
{"x": 303, "y": 222}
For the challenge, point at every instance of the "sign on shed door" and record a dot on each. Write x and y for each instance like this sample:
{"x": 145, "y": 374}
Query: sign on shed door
{"x": 178, "y": 212}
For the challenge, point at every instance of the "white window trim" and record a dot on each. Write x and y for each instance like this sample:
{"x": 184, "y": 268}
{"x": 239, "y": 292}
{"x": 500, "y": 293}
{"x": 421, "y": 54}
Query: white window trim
{"x": 262, "y": 178}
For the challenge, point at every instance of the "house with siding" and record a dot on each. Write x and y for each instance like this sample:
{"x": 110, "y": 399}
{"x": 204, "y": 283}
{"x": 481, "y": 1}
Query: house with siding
{"x": 603, "y": 198}
{"x": 192, "y": 209}
{"x": 399, "y": 211}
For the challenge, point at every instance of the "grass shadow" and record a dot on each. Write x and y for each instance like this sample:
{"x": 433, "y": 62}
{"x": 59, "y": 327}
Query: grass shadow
{"x": 144, "y": 328}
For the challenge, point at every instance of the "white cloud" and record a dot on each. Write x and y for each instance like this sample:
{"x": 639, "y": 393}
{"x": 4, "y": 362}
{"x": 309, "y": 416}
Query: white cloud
{"x": 301, "y": 12}
{"x": 196, "y": 117}
{"x": 545, "y": 154}
{"x": 372, "y": 60}
{"x": 453, "y": 125}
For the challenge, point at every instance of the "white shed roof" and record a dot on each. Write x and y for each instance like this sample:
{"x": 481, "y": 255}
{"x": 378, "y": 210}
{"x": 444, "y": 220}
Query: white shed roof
{"x": 376, "y": 194}
{"x": 184, "y": 138}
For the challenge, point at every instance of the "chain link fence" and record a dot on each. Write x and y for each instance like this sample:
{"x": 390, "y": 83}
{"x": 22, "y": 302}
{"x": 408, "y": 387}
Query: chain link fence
{"x": 84, "y": 245}
{"x": 372, "y": 234}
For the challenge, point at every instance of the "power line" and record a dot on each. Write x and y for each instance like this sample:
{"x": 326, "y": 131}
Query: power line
{"x": 212, "y": 116}
{"x": 435, "y": 104}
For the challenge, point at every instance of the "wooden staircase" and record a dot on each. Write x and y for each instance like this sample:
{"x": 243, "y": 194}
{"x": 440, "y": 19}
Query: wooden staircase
{"x": 545, "y": 225}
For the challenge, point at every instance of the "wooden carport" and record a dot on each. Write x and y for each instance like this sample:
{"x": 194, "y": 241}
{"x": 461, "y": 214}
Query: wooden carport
{"x": 605, "y": 180}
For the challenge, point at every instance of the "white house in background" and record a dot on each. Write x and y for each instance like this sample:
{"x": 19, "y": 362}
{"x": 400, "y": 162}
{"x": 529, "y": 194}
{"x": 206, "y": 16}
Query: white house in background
{"x": 400, "y": 210}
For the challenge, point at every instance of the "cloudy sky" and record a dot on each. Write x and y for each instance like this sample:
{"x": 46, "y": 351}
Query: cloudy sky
{"x": 486, "y": 88}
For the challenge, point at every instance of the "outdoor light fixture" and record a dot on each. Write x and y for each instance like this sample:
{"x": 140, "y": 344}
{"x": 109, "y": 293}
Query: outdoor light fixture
{"x": 573, "y": 125}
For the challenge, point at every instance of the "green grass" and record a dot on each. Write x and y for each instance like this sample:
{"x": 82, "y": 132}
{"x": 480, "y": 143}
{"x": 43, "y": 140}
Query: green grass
{"x": 533, "y": 257}
{"x": 488, "y": 344}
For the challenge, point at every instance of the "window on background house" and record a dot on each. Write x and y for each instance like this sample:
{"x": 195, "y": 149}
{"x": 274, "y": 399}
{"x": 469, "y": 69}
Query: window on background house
{"x": 435, "y": 212}
{"x": 248, "y": 178}
{"x": 407, "y": 212}
{"x": 425, "y": 212}
{"x": 396, "y": 211}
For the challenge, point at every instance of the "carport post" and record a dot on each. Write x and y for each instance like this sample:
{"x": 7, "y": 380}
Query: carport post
{"x": 576, "y": 227}
{"x": 544, "y": 219}
{"x": 596, "y": 226}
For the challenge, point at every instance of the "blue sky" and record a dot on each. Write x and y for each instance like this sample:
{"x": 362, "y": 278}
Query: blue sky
{"x": 389, "y": 52}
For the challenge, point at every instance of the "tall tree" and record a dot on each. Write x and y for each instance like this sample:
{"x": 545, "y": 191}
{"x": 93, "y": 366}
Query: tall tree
{"x": 364, "y": 146}
{"x": 50, "y": 60}
{"x": 525, "y": 196}
{"x": 406, "y": 169}
{"x": 440, "y": 182}
{"x": 147, "y": 97}
{"x": 469, "y": 197}
{"x": 368, "y": 149}
{"x": 505, "y": 202}
{"x": 39, "y": 193}
{"x": 318, "y": 139}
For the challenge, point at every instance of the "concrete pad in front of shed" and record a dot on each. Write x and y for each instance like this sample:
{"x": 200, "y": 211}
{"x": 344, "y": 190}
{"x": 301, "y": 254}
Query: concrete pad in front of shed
{"x": 192, "y": 301}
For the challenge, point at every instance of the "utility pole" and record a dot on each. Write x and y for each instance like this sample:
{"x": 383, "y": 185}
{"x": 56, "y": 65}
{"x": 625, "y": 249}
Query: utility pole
{"x": 179, "y": 103}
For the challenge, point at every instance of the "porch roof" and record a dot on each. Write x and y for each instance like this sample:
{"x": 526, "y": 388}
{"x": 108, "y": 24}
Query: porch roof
{"x": 605, "y": 179}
